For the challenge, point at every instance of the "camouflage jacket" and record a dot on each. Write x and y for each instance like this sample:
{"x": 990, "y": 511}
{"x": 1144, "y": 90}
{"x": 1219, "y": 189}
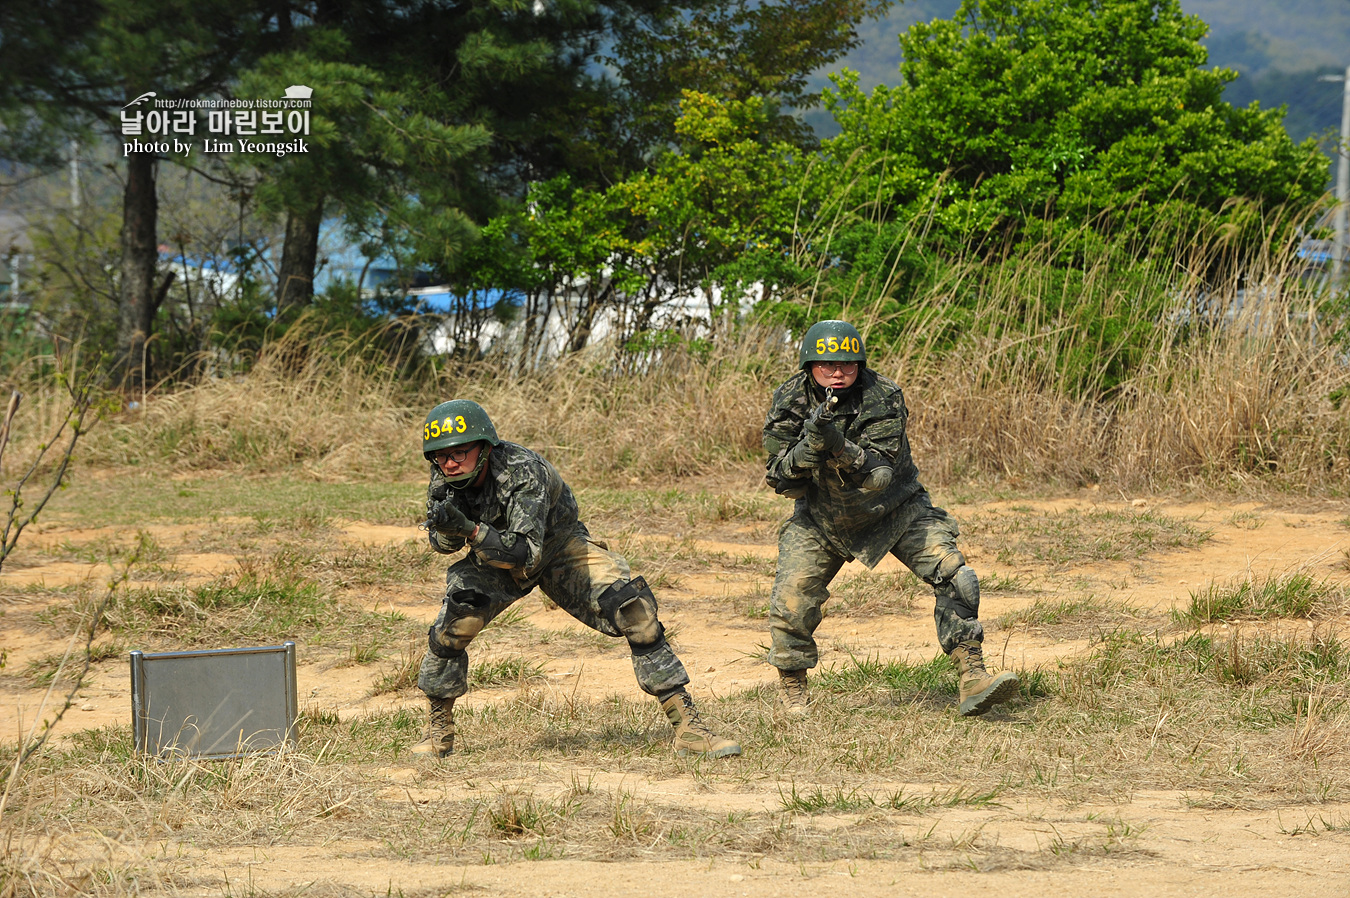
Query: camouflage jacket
{"x": 871, "y": 415}
{"x": 523, "y": 497}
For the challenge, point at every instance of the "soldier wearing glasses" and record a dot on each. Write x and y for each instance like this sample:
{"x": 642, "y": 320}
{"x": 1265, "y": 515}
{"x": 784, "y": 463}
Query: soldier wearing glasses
{"x": 835, "y": 435}
{"x": 518, "y": 518}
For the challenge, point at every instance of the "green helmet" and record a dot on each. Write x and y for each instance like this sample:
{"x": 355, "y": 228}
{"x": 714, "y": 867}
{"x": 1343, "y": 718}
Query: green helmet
{"x": 456, "y": 423}
{"x": 832, "y": 341}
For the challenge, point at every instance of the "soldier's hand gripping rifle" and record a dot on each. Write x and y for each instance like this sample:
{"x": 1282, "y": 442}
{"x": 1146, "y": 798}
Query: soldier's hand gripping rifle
{"x": 873, "y": 474}
{"x": 818, "y": 429}
{"x": 805, "y": 455}
{"x": 445, "y": 518}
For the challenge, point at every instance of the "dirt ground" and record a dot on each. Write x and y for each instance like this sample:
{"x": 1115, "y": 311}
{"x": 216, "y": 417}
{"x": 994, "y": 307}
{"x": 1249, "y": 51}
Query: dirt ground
{"x": 1182, "y": 849}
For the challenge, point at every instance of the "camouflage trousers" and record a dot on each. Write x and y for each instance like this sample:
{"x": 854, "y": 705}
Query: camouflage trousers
{"x": 574, "y": 577}
{"x": 807, "y": 564}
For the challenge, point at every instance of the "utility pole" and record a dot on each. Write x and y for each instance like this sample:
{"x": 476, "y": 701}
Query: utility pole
{"x": 1338, "y": 252}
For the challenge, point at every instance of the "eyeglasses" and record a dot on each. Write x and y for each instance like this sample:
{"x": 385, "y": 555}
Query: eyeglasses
{"x": 457, "y": 454}
{"x": 841, "y": 367}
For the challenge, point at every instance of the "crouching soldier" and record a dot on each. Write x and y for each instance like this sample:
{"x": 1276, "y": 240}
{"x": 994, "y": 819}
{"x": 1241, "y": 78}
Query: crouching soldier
{"x": 836, "y": 440}
{"x": 519, "y": 518}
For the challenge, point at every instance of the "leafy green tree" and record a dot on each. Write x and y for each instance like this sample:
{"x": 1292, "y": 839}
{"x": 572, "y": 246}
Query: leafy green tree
{"x": 1020, "y": 121}
{"x": 725, "y": 195}
{"x": 425, "y": 115}
{"x": 375, "y": 158}
{"x": 734, "y": 50}
{"x": 69, "y": 67}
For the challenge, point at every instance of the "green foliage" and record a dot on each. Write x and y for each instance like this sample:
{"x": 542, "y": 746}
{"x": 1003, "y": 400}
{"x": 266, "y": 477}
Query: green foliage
{"x": 1294, "y": 595}
{"x": 379, "y": 147}
{"x": 1020, "y": 122}
{"x": 736, "y": 50}
{"x": 1070, "y": 165}
{"x": 513, "y": 671}
{"x": 936, "y": 676}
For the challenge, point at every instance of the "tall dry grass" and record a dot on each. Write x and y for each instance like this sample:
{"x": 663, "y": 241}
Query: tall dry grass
{"x": 339, "y": 414}
{"x": 1011, "y": 370}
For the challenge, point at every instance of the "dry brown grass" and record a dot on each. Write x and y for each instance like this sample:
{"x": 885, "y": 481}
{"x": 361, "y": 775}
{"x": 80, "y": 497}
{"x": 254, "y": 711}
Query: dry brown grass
{"x": 1228, "y": 394}
{"x": 542, "y": 775}
{"x": 1237, "y": 407}
{"x": 883, "y": 770}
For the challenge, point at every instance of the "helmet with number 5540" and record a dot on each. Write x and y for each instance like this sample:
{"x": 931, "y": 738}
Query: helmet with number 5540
{"x": 832, "y": 341}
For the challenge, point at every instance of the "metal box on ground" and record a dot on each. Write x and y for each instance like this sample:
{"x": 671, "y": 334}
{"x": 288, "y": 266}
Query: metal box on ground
{"x": 213, "y": 704}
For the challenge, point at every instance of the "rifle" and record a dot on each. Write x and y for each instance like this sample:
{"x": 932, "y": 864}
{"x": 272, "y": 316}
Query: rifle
{"x": 824, "y": 411}
{"x": 876, "y": 475}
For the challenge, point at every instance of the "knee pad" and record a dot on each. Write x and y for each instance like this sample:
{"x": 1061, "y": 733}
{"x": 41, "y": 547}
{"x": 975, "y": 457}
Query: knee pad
{"x": 967, "y": 585}
{"x": 948, "y": 566}
{"x": 632, "y": 609}
{"x": 453, "y": 636}
{"x": 461, "y": 631}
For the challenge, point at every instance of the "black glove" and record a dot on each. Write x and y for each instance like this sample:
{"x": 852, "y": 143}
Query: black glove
{"x": 437, "y": 648}
{"x": 823, "y": 436}
{"x": 803, "y": 457}
{"x": 445, "y": 518}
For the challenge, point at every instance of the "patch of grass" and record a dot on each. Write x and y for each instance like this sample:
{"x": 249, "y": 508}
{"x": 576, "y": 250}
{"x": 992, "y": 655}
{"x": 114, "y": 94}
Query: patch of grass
{"x": 1311, "y": 827}
{"x": 1069, "y": 618}
{"x": 257, "y": 605}
{"x": 575, "y": 639}
{"x": 1000, "y": 583}
{"x": 672, "y": 510}
{"x": 753, "y": 610}
{"x": 1276, "y": 596}
{"x": 513, "y": 671}
{"x": 515, "y": 815}
{"x": 1073, "y": 537}
{"x": 134, "y": 499}
{"x": 363, "y": 654}
{"x": 763, "y": 566}
{"x": 871, "y": 593}
{"x": 1267, "y": 657}
{"x": 864, "y": 674}
{"x": 1282, "y": 666}
{"x": 403, "y": 674}
{"x": 630, "y": 821}
{"x": 1246, "y": 520}
{"x": 42, "y": 671}
{"x": 817, "y": 799}
{"x": 515, "y": 616}
{"x": 949, "y": 798}
{"x": 114, "y": 550}
{"x": 738, "y": 508}
{"x": 410, "y": 561}
{"x": 754, "y": 602}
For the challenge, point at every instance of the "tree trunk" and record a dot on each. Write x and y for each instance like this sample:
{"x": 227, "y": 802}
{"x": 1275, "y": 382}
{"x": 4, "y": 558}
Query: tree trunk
{"x": 140, "y": 252}
{"x": 581, "y": 333}
{"x": 299, "y": 255}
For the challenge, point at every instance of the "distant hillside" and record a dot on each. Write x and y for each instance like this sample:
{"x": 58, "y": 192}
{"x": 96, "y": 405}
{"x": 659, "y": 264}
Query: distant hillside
{"x": 1278, "y": 47}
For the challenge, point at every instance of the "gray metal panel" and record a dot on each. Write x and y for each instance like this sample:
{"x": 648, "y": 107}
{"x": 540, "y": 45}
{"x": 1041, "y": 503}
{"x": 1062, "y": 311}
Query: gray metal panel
{"x": 214, "y": 704}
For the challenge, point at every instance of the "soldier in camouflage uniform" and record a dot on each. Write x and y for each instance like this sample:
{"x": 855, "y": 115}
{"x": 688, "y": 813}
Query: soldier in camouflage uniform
{"x": 835, "y": 435}
{"x": 519, "y": 519}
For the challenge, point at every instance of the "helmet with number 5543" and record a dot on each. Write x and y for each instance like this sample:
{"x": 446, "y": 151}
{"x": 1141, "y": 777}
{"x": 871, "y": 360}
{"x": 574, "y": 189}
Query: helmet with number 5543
{"x": 456, "y": 423}
{"x": 832, "y": 341}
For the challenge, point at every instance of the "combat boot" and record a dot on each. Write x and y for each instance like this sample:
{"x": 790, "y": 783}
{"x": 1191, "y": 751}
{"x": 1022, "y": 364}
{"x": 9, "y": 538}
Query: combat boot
{"x": 440, "y": 740}
{"x": 692, "y": 736}
{"x": 979, "y": 690}
{"x": 795, "y": 696}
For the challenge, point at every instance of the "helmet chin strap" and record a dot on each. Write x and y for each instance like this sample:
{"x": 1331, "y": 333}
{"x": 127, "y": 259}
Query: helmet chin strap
{"x": 464, "y": 481}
